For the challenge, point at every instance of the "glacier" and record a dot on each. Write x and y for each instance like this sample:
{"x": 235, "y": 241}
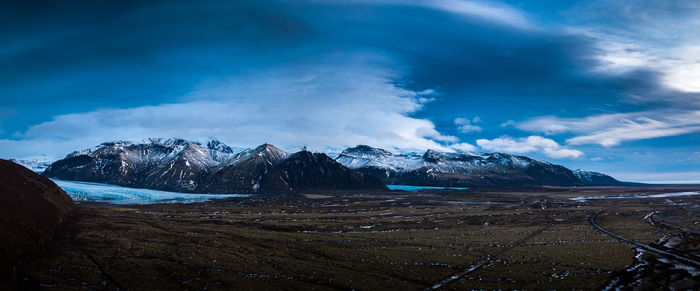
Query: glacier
{"x": 96, "y": 192}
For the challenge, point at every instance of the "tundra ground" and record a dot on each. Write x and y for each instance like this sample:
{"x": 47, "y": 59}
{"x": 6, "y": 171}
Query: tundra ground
{"x": 534, "y": 239}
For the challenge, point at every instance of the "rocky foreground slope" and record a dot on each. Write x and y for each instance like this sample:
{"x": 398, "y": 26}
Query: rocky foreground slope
{"x": 185, "y": 166}
{"x": 465, "y": 169}
{"x": 32, "y": 209}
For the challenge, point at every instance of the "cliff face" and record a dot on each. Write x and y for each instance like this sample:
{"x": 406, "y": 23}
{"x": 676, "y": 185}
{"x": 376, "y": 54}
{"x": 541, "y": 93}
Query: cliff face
{"x": 32, "y": 209}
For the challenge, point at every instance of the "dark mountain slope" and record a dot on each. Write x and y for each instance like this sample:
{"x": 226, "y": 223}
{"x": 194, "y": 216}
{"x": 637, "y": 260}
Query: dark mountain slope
{"x": 307, "y": 171}
{"x": 243, "y": 173}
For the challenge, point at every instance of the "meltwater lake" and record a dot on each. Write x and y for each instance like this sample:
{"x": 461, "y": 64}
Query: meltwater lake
{"x": 418, "y": 188}
{"x": 96, "y": 192}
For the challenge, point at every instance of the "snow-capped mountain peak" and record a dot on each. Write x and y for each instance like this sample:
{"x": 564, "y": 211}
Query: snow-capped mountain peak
{"x": 365, "y": 156}
{"x": 219, "y": 146}
{"x": 181, "y": 165}
{"x": 365, "y": 150}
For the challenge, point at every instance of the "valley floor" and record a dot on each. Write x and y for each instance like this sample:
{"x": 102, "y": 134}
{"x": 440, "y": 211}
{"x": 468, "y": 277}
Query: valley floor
{"x": 535, "y": 239}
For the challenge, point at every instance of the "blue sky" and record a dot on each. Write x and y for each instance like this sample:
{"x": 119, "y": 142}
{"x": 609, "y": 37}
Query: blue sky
{"x": 611, "y": 86}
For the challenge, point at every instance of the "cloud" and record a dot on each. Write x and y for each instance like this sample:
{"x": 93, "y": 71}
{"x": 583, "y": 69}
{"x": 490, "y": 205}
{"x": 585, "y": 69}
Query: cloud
{"x": 527, "y": 145}
{"x": 463, "y": 147}
{"x": 507, "y": 123}
{"x": 683, "y": 69}
{"x": 637, "y": 129}
{"x": 321, "y": 107}
{"x": 555, "y": 125}
{"x": 630, "y": 35}
{"x": 466, "y": 125}
{"x": 679, "y": 66}
{"x": 492, "y": 11}
{"x": 612, "y": 129}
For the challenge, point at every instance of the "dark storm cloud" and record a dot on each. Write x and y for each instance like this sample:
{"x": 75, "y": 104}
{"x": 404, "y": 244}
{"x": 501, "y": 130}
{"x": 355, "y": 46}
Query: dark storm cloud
{"x": 114, "y": 50}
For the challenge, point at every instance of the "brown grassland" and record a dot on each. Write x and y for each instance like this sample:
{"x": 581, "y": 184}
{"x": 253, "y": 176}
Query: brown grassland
{"x": 398, "y": 240}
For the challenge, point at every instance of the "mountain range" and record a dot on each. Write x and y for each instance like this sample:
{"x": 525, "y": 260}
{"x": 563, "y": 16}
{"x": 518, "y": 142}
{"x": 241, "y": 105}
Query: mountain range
{"x": 186, "y": 166}
{"x": 466, "y": 169}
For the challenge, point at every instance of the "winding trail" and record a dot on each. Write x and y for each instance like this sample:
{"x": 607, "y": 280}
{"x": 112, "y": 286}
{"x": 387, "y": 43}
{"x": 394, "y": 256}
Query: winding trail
{"x": 488, "y": 259}
{"x": 682, "y": 259}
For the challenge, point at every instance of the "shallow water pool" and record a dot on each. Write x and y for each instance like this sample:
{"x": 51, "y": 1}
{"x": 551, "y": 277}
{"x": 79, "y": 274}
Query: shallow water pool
{"x": 418, "y": 188}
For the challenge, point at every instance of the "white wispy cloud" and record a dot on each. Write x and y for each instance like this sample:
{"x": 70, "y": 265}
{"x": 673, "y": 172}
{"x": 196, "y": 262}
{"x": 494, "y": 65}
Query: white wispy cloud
{"x": 628, "y": 35}
{"x": 323, "y": 107}
{"x": 466, "y": 125}
{"x": 491, "y": 11}
{"x": 507, "y": 123}
{"x": 613, "y": 129}
{"x": 463, "y": 147}
{"x": 529, "y": 144}
{"x": 679, "y": 66}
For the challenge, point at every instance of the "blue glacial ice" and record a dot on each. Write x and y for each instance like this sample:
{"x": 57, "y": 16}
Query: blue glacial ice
{"x": 95, "y": 192}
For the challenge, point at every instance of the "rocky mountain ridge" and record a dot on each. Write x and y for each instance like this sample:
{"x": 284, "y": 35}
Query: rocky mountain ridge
{"x": 213, "y": 167}
{"x": 184, "y": 166}
{"x": 465, "y": 169}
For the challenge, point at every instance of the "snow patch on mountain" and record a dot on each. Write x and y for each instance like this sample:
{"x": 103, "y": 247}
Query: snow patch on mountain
{"x": 365, "y": 156}
{"x": 37, "y": 164}
{"x": 468, "y": 169}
